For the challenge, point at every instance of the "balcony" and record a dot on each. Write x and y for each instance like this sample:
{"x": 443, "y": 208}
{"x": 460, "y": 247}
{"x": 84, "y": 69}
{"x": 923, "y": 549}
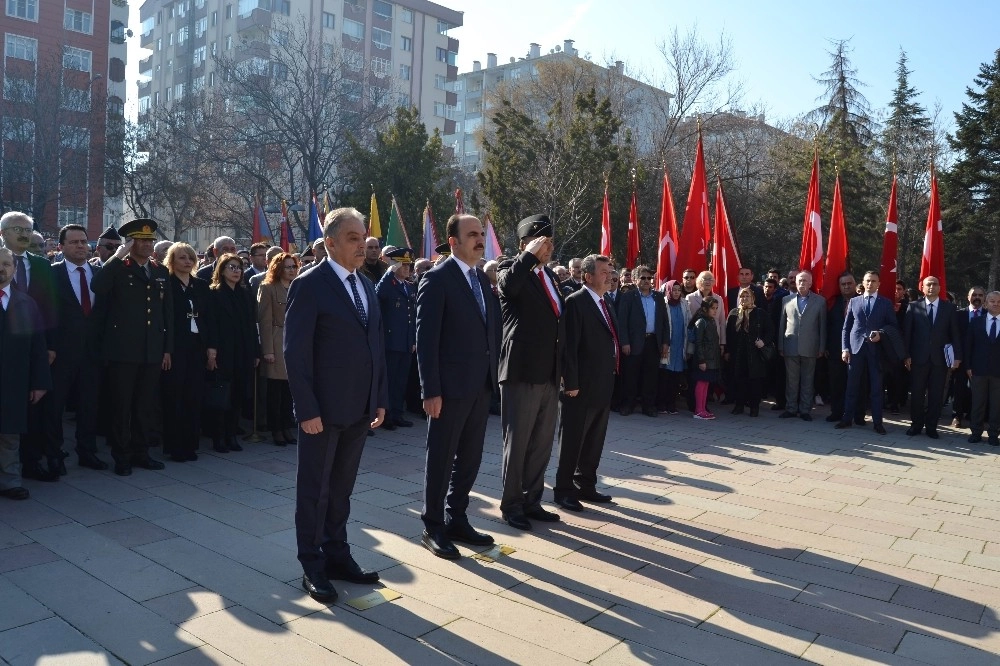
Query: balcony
{"x": 258, "y": 20}
{"x": 144, "y": 88}
{"x": 146, "y": 65}
{"x": 253, "y": 49}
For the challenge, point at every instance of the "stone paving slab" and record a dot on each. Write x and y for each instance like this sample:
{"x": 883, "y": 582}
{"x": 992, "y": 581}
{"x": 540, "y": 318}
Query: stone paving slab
{"x": 739, "y": 541}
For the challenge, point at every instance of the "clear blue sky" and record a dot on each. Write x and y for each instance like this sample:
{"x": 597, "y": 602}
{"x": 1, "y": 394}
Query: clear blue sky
{"x": 780, "y": 45}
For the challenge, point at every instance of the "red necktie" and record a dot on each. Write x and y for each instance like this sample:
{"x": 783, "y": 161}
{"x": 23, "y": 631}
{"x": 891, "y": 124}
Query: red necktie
{"x": 614, "y": 334}
{"x": 3, "y": 293}
{"x": 84, "y": 291}
{"x": 545, "y": 288}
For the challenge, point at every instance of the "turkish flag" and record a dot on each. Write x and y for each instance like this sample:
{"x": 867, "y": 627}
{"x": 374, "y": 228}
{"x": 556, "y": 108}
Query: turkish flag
{"x": 666, "y": 262}
{"x": 695, "y": 235}
{"x": 811, "y": 254}
{"x": 837, "y": 252}
{"x": 887, "y": 271}
{"x": 932, "y": 263}
{"x": 606, "y": 225}
{"x": 286, "y": 230}
{"x": 725, "y": 259}
{"x": 632, "y": 251}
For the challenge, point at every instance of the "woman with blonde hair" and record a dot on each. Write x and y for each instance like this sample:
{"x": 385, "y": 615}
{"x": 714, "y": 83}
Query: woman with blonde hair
{"x": 271, "y": 300}
{"x": 749, "y": 341}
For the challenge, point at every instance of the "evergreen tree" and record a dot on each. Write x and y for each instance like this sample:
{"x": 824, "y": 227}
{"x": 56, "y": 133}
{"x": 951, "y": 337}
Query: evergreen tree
{"x": 972, "y": 213}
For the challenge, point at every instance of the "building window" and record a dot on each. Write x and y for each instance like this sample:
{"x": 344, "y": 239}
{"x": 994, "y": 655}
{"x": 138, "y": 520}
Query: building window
{"x": 229, "y": 42}
{"x": 382, "y": 8}
{"x": 170, "y": 39}
{"x": 444, "y": 111}
{"x": 405, "y": 44}
{"x": 443, "y": 27}
{"x": 144, "y": 104}
{"x": 159, "y": 43}
{"x": 229, "y": 11}
{"x": 215, "y": 19}
{"x": 147, "y": 25}
{"x": 183, "y": 34}
{"x": 211, "y": 79}
{"x": 354, "y": 29}
{"x": 25, "y": 9}
{"x": 183, "y": 7}
{"x": 354, "y": 59}
{"x": 74, "y": 138}
{"x": 117, "y": 35}
{"x": 404, "y": 100}
{"x": 381, "y": 67}
{"x": 179, "y": 91}
{"x": 283, "y": 7}
{"x": 404, "y": 72}
{"x": 78, "y": 59}
{"x": 279, "y": 71}
{"x": 440, "y": 81}
{"x": 72, "y": 215}
{"x": 197, "y": 84}
{"x": 23, "y": 48}
{"x": 17, "y": 89}
{"x": 75, "y": 99}
{"x": 156, "y": 98}
{"x": 405, "y": 15}
{"x": 381, "y": 38}
{"x": 201, "y": 26}
{"x": 444, "y": 55}
{"x": 329, "y": 20}
{"x": 199, "y": 56}
{"x": 279, "y": 37}
{"x": 78, "y": 21}
{"x": 214, "y": 50}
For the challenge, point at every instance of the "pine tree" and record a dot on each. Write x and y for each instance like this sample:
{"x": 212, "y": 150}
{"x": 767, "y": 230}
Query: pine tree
{"x": 973, "y": 183}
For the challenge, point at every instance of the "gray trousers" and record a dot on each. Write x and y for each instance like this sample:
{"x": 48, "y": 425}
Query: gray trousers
{"x": 528, "y": 417}
{"x": 985, "y": 405}
{"x": 800, "y": 383}
{"x": 10, "y": 462}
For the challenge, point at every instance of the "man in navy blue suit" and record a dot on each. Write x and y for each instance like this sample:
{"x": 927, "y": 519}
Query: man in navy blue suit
{"x": 335, "y": 357}
{"x": 868, "y": 316}
{"x": 982, "y": 350}
{"x": 458, "y": 346}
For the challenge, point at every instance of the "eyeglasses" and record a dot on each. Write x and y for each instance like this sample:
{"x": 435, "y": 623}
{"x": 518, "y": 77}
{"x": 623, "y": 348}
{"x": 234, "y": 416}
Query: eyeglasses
{"x": 645, "y": 277}
{"x": 290, "y": 268}
{"x": 19, "y": 230}
{"x": 233, "y": 267}
{"x": 689, "y": 277}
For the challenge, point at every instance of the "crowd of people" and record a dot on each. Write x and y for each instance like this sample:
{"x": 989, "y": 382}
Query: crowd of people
{"x": 151, "y": 344}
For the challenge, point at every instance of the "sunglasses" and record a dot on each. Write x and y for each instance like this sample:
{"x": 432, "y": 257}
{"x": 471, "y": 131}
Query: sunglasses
{"x": 234, "y": 267}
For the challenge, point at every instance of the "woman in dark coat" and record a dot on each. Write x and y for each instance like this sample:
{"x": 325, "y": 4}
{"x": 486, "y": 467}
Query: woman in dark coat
{"x": 748, "y": 332}
{"x": 184, "y": 384}
{"x": 707, "y": 357}
{"x": 233, "y": 347}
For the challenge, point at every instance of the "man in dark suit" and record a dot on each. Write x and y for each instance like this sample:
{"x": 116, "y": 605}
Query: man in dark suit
{"x": 982, "y": 352}
{"x": 745, "y": 277}
{"x": 398, "y": 301}
{"x": 24, "y": 372}
{"x": 334, "y": 354}
{"x": 222, "y": 245}
{"x": 775, "y": 383}
{"x": 834, "y": 339}
{"x": 591, "y": 360}
{"x": 645, "y": 333}
{"x": 961, "y": 405}
{"x": 868, "y": 317}
{"x": 530, "y": 371}
{"x": 76, "y": 370}
{"x": 137, "y": 338}
{"x": 32, "y": 276}
{"x": 930, "y": 325}
{"x": 458, "y": 345}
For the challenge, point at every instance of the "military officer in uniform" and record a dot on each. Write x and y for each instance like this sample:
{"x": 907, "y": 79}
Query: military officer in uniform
{"x": 397, "y": 297}
{"x": 137, "y": 341}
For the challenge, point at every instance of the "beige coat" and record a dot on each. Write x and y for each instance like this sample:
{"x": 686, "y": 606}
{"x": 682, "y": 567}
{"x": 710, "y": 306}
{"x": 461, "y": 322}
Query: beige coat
{"x": 271, "y": 301}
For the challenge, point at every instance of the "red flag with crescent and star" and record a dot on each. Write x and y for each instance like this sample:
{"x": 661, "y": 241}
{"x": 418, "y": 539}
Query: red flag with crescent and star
{"x": 811, "y": 254}
{"x": 932, "y": 262}
{"x": 695, "y": 234}
{"x": 887, "y": 271}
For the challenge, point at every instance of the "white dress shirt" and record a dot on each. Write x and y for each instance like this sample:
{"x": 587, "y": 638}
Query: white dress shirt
{"x": 343, "y": 273}
{"x": 74, "y": 279}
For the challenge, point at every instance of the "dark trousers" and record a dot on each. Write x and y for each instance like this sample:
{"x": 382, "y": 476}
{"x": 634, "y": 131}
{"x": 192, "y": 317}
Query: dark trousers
{"x": 133, "y": 396}
{"x": 454, "y": 453}
{"x": 279, "y": 405}
{"x": 32, "y": 445}
{"x": 961, "y": 405}
{"x": 183, "y": 391}
{"x": 747, "y": 392}
{"x": 397, "y": 370}
{"x": 776, "y": 379}
{"x": 670, "y": 385}
{"x": 985, "y": 404}
{"x": 328, "y": 468}
{"x": 864, "y": 364}
{"x": 927, "y": 394}
{"x": 75, "y": 380}
{"x": 897, "y": 382}
{"x": 223, "y": 423}
{"x": 528, "y": 418}
{"x": 414, "y": 401}
{"x": 639, "y": 374}
{"x": 838, "y": 388}
{"x": 582, "y": 430}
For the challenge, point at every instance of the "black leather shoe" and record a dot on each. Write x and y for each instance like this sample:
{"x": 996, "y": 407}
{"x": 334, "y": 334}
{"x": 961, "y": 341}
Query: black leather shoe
{"x": 569, "y": 503}
{"x": 806, "y": 417}
{"x": 592, "y": 495}
{"x": 38, "y": 473}
{"x": 351, "y": 572}
{"x": 278, "y": 438}
{"x": 15, "y": 493}
{"x": 517, "y": 520}
{"x": 542, "y": 515}
{"x": 833, "y": 418}
{"x": 975, "y": 438}
{"x": 879, "y": 429}
{"x": 319, "y": 587}
{"x": 91, "y": 461}
{"x": 787, "y": 415}
{"x": 388, "y": 425}
{"x": 147, "y": 463}
{"x": 933, "y": 434}
{"x": 913, "y": 430}
{"x": 123, "y": 469}
{"x": 403, "y": 423}
{"x": 57, "y": 466}
{"x": 842, "y": 424}
{"x": 465, "y": 533}
{"x": 440, "y": 545}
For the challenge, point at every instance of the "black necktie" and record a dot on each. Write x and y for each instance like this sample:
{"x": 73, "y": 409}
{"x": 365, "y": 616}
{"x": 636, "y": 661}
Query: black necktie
{"x": 930, "y": 313}
{"x": 477, "y": 291}
{"x": 993, "y": 329}
{"x": 868, "y": 305}
{"x": 21, "y": 281}
{"x": 357, "y": 300}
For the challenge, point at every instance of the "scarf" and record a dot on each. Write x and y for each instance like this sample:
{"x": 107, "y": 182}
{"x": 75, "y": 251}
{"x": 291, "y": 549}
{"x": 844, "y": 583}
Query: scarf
{"x": 668, "y": 291}
{"x": 743, "y": 313}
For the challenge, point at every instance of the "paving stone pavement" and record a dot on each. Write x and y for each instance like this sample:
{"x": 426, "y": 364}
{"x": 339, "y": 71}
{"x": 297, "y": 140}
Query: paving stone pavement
{"x": 734, "y": 541}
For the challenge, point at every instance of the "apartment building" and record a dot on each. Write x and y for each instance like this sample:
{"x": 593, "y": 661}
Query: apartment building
{"x": 63, "y": 84}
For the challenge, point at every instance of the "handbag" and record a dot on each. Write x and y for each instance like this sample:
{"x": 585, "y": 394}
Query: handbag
{"x": 218, "y": 393}
{"x": 767, "y": 351}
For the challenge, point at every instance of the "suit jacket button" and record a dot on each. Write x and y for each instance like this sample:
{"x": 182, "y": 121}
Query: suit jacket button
{"x": 149, "y": 323}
